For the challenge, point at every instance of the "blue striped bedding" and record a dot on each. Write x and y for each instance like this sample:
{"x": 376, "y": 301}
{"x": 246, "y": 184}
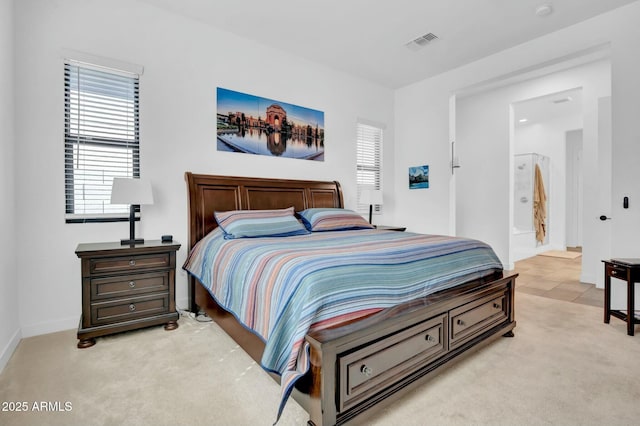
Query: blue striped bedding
{"x": 281, "y": 287}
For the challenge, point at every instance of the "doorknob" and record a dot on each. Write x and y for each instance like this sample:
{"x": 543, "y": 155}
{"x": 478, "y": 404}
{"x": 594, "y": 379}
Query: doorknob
{"x": 603, "y": 217}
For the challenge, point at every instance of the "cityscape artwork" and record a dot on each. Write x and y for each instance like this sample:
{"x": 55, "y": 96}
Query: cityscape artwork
{"x": 255, "y": 125}
{"x": 418, "y": 177}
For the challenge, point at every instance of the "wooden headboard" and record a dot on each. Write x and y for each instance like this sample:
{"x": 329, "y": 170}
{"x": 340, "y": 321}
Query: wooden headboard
{"x": 209, "y": 193}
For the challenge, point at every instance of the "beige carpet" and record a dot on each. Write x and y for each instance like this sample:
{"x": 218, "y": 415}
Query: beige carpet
{"x": 563, "y": 367}
{"x": 562, "y": 254}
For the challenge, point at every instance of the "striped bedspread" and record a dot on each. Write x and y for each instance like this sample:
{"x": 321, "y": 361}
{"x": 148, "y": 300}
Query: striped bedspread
{"x": 281, "y": 287}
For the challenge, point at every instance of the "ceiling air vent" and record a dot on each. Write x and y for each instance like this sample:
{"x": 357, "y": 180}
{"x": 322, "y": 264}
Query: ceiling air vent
{"x": 421, "y": 41}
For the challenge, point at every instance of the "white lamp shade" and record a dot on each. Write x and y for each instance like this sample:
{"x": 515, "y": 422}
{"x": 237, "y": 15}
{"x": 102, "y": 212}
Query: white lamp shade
{"x": 131, "y": 191}
{"x": 371, "y": 196}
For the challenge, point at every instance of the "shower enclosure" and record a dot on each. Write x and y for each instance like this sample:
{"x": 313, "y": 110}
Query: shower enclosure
{"x": 525, "y": 241}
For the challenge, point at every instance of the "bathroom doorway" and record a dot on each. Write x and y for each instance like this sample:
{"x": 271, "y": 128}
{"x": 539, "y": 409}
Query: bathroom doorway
{"x": 544, "y": 204}
{"x": 482, "y": 187}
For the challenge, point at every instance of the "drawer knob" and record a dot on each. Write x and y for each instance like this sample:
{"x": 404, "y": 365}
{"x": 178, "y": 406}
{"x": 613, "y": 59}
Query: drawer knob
{"x": 460, "y": 322}
{"x": 132, "y": 307}
{"x": 497, "y": 306}
{"x": 614, "y": 272}
{"x": 366, "y": 370}
{"x": 132, "y": 284}
{"x": 132, "y": 262}
{"x": 429, "y": 338}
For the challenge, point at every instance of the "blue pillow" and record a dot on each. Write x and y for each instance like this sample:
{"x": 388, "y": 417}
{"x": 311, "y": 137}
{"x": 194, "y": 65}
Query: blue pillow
{"x": 332, "y": 219}
{"x": 259, "y": 223}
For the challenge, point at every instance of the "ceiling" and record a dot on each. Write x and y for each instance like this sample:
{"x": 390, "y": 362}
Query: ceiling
{"x": 550, "y": 107}
{"x": 368, "y": 39}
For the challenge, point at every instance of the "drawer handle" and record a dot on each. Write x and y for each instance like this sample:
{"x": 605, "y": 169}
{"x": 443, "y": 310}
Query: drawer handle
{"x": 460, "y": 322}
{"x": 366, "y": 370}
{"x": 132, "y": 262}
{"x": 429, "y": 338}
{"x": 497, "y": 306}
{"x": 132, "y": 284}
{"x": 132, "y": 307}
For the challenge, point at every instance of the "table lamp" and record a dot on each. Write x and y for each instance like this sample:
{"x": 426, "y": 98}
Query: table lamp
{"x": 133, "y": 192}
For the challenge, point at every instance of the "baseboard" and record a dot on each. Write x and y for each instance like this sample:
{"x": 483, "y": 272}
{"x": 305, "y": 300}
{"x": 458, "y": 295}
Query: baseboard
{"x": 589, "y": 279}
{"x": 30, "y": 330}
{"x": 9, "y": 349}
{"x": 49, "y": 327}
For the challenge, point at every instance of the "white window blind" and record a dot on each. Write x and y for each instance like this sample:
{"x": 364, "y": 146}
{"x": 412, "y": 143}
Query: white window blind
{"x": 101, "y": 139}
{"x": 369, "y": 159}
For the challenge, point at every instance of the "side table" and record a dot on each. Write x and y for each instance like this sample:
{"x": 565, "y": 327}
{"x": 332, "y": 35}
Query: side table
{"x": 627, "y": 270}
{"x": 126, "y": 287}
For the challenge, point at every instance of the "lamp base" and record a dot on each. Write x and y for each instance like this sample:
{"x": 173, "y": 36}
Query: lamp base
{"x": 132, "y": 242}
{"x": 132, "y": 229}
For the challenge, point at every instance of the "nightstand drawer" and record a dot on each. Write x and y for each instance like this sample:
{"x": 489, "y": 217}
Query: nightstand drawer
{"x": 619, "y": 271}
{"x": 106, "y": 265}
{"x": 128, "y": 309}
{"x": 129, "y": 285}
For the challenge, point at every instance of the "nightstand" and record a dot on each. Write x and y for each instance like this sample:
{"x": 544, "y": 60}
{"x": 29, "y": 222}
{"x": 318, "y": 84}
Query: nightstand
{"x": 627, "y": 270}
{"x": 126, "y": 287}
{"x": 390, "y": 228}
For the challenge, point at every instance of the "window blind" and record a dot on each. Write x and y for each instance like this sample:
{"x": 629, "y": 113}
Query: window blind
{"x": 101, "y": 139}
{"x": 369, "y": 160}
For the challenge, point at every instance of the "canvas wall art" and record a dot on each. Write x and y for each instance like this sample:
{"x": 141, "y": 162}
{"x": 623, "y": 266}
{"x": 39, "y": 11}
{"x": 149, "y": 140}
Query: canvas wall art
{"x": 255, "y": 125}
{"x": 418, "y": 177}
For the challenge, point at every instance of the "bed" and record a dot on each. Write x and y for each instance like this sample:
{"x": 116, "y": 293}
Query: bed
{"x": 360, "y": 364}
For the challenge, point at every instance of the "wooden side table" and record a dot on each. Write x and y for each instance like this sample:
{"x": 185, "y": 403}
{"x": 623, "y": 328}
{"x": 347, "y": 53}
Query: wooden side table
{"x": 628, "y": 271}
{"x": 126, "y": 287}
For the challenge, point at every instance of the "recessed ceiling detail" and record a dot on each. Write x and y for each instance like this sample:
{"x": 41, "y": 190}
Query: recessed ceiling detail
{"x": 562, "y": 100}
{"x": 384, "y": 51}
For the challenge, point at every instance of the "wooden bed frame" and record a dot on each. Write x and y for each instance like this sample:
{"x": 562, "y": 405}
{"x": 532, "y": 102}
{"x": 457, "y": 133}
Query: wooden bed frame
{"x": 372, "y": 361}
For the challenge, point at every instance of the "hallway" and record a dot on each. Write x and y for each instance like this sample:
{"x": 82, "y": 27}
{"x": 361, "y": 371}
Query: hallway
{"x": 556, "y": 278}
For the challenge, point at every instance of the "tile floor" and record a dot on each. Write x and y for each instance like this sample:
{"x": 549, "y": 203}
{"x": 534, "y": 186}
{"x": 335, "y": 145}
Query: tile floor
{"x": 556, "y": 278}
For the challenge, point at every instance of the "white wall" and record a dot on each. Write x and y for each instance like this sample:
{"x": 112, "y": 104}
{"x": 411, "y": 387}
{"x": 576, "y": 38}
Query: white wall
{"x": 184, "y": 61}
{"x": 484, "y": 143}
{"x": 422, "y": 123}
{"x": 9, "y": 324}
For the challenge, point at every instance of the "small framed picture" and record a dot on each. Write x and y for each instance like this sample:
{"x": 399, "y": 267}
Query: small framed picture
{"x": 418, "y": 177}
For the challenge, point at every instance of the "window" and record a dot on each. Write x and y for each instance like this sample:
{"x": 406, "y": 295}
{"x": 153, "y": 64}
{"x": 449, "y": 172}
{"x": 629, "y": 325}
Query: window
{"x": 101, "y": 139}
{"x": 369, "y": 146}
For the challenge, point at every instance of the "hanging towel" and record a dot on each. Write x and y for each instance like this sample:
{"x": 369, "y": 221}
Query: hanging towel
{"x": 539, "y": 206}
